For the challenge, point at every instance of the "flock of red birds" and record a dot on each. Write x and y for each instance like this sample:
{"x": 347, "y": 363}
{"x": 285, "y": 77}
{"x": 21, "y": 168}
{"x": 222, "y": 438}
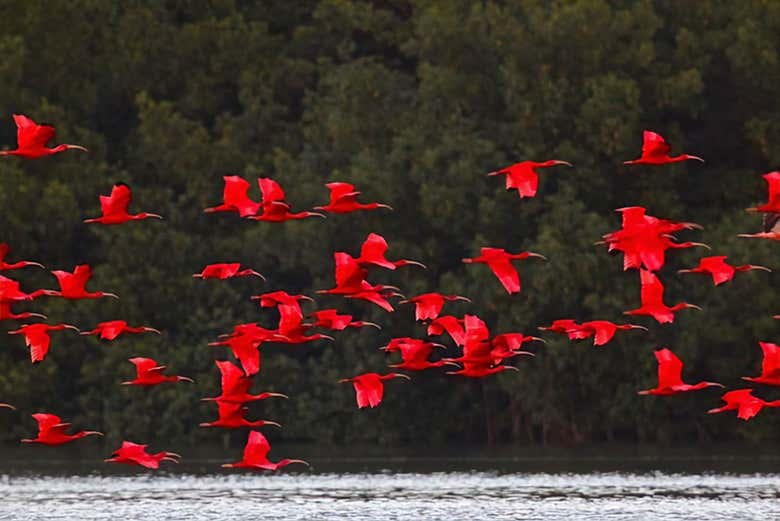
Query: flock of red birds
{"x": 642, "y": 239}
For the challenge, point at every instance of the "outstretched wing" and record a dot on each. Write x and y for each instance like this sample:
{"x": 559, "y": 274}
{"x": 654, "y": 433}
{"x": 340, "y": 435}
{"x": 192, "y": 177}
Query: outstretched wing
{"x": 669, "y": 368}
{"x": 341, "y": 192}
{"x": 654, "y": 145}
{"x": 256, "y": 449}
{"x": 31, "y": 135}
{"x": 374, "y": 249}
{"x": 271, "y": 190}
{"x": 118, "y": 201}
{"x": 652, "y": 290}
{"x": 506, "y": 273}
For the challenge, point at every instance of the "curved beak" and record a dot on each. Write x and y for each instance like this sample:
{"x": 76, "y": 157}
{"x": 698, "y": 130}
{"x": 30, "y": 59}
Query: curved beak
{"x": 371, "y": 324}
{"x": 566, "y": 163}
{"x": 694, "y": 306}
{"x": 318, "y": 214}
{"x": 172, "y": 460}
{"x": 111, "y": 295}
{"x": 537, "y": 339}
{"x": 762, "y": 268}
{"x": 37, "y": 315}
{"x": 464, "y": 299}
{"x": 537, "y": 255}
{"x": 257, "y": 274}
{"x": 95, "y": 433}
{"x": 7, "y": 406}
{"x": 154, "y": 216}
{"x": 417, "y": 263}
{"x": 268, "y": 422}
{"x": 76, "y": 147}
{"x": 74, "y": 328}
{"x": 452, "y": 364}
{"x": 701, "y": 244}
{"x": 36, "y": 264}
{"x": 634, "y": 326}
{"x": 696, "y": 158}
{"x": 279, "y": 395}
{"x": 387, "y": 206}
{"x": 152, "y": 330}
{"x": 304, "y": 297}
{"x": 186, "y": 379}
{"x": 399, "y": 375}
{"x": 497, "y": 172}
{"x": 467, "y": 261}
{"x": 511, "y": 368}
{"x": 344, "y": 381}
{"x": 685, "y": 271}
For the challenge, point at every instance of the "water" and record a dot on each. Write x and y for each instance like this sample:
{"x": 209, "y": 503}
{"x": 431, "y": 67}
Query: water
{"x": 121, "y": 493}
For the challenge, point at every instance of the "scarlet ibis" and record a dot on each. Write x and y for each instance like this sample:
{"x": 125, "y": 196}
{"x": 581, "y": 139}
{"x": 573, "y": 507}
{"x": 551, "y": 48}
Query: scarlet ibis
{"x": 235, "y": 386}
{"x": 52, "y": 431}
{"x": 114, "y": 207}
{"x": 256, "y": 455}
{"x": 112, "y": 329}
{"x": 235, "y": 198}
{"x": 428, "y": 306}
{"x": 670, "y": 376}
{"x": 73, "y": 285}
{"x": 719, "y": 269}
{"x": 275, "y": 298}
{"x": 602, "y": 330}
{"x": 770, "y": 367}
{"x": 149, "y": 372}
{"x": 37, "y": 338}
{"x": 343, "y": 199}
{"x": 373, "y": 252}
{"x": 226, "y": 271}
{"x": 231, "y": 416}
{"x": 523, "y": 176}
{"x": 331, "y": 319}
{"x": 31, "y": 140}
{"x": 655, "y": 151}
{"x": 480, "y": 354}
{"x": 7, "y": 314}
{"x": 245, "y": 348}
{"x": 414, "y": 355}
{"x": 134, "y": 454}
{"x": 7, "y": 406}
{"x": 351, "y": 283}
{"x": 292, "y": 328}
{"x": 451, "y": 325}
{"x": 500, "y": 263}
{"x": 652, "y": 295}
{"x": 773, "y": 200}
{"x": 370, "y": 387}
{"x": 743, "y": 401}
{"x": 275, "y": 207}
{"x": 4, "y": 266}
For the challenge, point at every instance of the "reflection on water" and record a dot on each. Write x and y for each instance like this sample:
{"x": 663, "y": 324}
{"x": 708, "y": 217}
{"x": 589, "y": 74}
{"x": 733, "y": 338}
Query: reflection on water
{"x": 391, "y": 496}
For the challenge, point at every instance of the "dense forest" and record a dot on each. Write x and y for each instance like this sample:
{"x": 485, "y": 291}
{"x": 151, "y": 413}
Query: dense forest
{"x": 413, "y": 101}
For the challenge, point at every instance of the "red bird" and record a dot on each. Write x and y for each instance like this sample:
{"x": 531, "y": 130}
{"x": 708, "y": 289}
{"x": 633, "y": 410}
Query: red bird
{"x": 773, "y": 201}
{"x": 7, "y": 314}
{"x": 351, "y": 283}
{"x": 51, "y": 431}
{"x": 523, "y": 176}
{"x": 373, "y": 251}
{"x": 428, "y": 306}
{"x": 275, "y": 207}
{"x": 500, "y": 262}
{"x": 245, "y": 341}
{"x": 562, "y": 325}
{"x": 670, "y": 376}
{"x": 292, "y": 328}
{"x": 414, "y": 354}
{"x": 235, "y": 198}
{"x": 770, "y": 367}
{"x": 231, "y": 416}
{"x": 31, "y": 140}
{"x": 235, "y": 386}
{"x": 602, "y": 331}
{"x": 256, "y": 455}
{"x": 10, "y": 291}
{"x": 331, "y": 319}
{"x": 114, "y": 207}
{"x": 148, "y": 373}
{"x": 720, "y": 270}
{"x": 743, "y": 401}
{"x": 226, "y": 271}
{"x": 370, "y": 387}
{"x": 112, "y": 329}
{"x": 275, "y": 298}
{"x": 37, "y": 338}
{"x": 134, "y": 454}
{"x": 482, "y": 357}
{"x": 73, "y": 285}
{"x": 4, "y": 251}
{"x": 655, "y": 151}
{"x": 451, "y": 325}
{"x": 652, "y": 295}
{"x": 343, "y": 199}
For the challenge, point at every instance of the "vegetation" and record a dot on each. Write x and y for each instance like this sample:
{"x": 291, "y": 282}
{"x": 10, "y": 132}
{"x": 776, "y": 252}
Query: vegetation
{"x": 414, "y": 102}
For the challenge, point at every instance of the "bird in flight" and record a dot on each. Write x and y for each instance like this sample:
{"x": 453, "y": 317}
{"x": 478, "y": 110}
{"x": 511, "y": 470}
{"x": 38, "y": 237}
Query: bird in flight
{"x": 719, "y": 269}
{"x": 428, "y": 306}
{"x": 256, "y": 455}
{"x": 52, "y": 431}
{"x": 149, "y": 373}
{"x": 655, "y": 151}
{"x": 6, "y": 266}
{"x": 114, "y": 207}
{"x": 652, "y": 296}
{"x": 523, "y": 176}
{"x": 111, "y": 330}
{"x": 500, "y": 263}
{"x": 743, "y": 401}
{"x": 31, "y": 140}
{"x": 134, "y": 454}
{"x": 37, "y": 338}
{"x": 770, "y": 366}
{"x": 231, "y": 416}
{"x": 235, "y": 198}
{"x": 226, "y": 271}
{"x": 670, "y": 376}
{"x": 343, "y": 199}
{"x": 370, "y": 387}
{"x": 773, "y": 199}
{"x": 235, "y": 386}
{"x": 73, "y": 285}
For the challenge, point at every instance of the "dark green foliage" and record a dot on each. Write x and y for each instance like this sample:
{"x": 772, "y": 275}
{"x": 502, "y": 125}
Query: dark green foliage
{"x": 414, "y": 102}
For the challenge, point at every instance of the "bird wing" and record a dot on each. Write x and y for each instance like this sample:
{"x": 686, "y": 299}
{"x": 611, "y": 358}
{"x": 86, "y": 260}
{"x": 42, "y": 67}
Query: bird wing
{"x": 506, "y": 273}
{"x": 145, "y": 365}
{"x": 349, "y": 274}
{"x": 341, "y": 192}
{"x": 75, "y": 281}
{"x": 118, "y": 201}
{"x": 375, "y": 298}
{"x": 773, "y": 185}
{"x": 771, "y": 362}
{"x": 427, "y": 306}
{"x": 290, "y": 318}
{"x": 654, "y": 145}
{"x": 524, "y": 178}
{"x": 233, "y": 379}
{"x": 111, "y": 330}
{"x": 451, "y": 325}
{"x": 669, "y": 368}
{"x": 652, "y": 291}
{"x": 47, "y": 422}
{"x": 604, "y": 331}
{"x": 230, "y": 411}
{"x": 31, "y": 135}
{"x": 735, "y": 398}
{"x": 374, "y": 249}
{"x": 256, "y": 449}
{"x": 38, "y": 341}
{"x": 271, "y": 190}
{"x": 749, "y": 408}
